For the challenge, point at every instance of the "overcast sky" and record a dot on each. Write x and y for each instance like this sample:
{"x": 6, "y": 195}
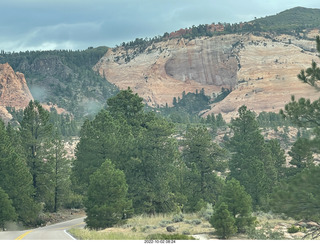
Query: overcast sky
{"x": 78, "y": 24}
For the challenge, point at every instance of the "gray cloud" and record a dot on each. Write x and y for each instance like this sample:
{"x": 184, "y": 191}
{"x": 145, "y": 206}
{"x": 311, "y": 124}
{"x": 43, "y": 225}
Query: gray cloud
{"x": 74, "y": 24}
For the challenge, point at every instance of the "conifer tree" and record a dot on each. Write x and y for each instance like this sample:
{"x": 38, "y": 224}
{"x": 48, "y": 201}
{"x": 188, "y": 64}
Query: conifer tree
{"x": 107, "y": 203}
{"x": 7, "y": 211}
{"x": 223, "y": 221}
{"x": 36, "y": 134}
{"x": 16, "y": 180}
{"x": 202, "y": 158}
{"x": 239, "y": 204}
{"x": 61, "y": 174}
{"x": 251, "y": 162}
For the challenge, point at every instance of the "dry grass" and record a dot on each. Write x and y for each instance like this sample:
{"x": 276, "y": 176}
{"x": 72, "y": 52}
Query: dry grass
{"x": 139, "y": 227}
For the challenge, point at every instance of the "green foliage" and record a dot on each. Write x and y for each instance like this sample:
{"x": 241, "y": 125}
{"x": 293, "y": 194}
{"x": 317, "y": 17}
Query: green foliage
{"x": 301, "y": 154}
{"x": 107, "y": 203}
{"x": 223, "y": 221}
{"x": 298, "y": 197}
{"x": 266, "y": 233}
{"x": 61, "y": 174}
{"x": 202, "y": 157}
{"x": 293, "y": 19}
{"x": 15, "y": 177}
{"x": 36, "y": 134}
{"x": 7, "y": 211}
{"x": 102, "y": 138}
{"x": 294, "y": 229}
{"x": 169, "y": 237}
{"x": 178, "y": 218}
{"x": 127, "y": 105}
{"x": 239, "y": 204}
{"x": 271, "y": 120}
{"x": 206, "y": 212}
{"x": 252, "y": 162}
{"x": 311, "y": 75}
{"x": 140, "y": 144}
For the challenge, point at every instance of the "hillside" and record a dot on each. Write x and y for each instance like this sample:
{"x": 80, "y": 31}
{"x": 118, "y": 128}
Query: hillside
{"x": 295, "y": 19}
{"x": 64, "y": 78}
{"x": 260, "y": 68}
{"x": 257, "y": 60}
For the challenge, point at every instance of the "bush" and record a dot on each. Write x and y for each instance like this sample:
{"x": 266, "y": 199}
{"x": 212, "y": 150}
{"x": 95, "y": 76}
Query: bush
{"x": 293, "y": 229}
{"x": 169, "y": 237}
{"x": 206, "y": 212}
{"x": 177, "y": 218}
{"x": 164, "y": 223}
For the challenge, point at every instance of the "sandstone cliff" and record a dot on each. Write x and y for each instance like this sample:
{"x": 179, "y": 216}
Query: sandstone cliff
{"x": 14, "y": 91}
{"x": 262, "y": 70}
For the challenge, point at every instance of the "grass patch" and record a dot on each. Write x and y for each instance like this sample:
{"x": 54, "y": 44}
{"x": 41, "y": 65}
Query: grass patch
{"x": 85, "y": 234}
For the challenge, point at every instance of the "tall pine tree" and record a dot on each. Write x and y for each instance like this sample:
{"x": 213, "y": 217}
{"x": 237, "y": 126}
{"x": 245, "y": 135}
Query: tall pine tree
{"x": 16, "y": 180}
{"x": 36, "y": 132}
{"x": 251, "y": 162}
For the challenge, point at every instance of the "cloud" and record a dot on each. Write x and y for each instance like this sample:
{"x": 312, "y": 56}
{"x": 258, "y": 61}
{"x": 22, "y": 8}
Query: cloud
{"x": 74, "y": 24}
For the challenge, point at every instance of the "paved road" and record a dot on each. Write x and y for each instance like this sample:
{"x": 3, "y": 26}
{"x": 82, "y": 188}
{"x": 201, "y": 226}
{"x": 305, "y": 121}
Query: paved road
{"x": 51, "y": 232}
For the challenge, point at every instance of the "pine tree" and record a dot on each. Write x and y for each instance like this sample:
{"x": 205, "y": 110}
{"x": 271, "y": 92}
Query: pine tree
{"x": 223, "y": 221}
{"x": 299, "y": 196}
{"x": 152, "y": 167}
{"x": 100, "y": 139}
{"x": 301, "y": 155}
{"x": 36, "y": 134}
{"x": 16, "y": 180}
{"x": 202, "y": 157}
{"x": 7, "y": 211}
{"x": 239, "y": 204}
{"x": 251, "y": 162}
{"x": 107, "y": 203}
{"x": 61, "y": 174}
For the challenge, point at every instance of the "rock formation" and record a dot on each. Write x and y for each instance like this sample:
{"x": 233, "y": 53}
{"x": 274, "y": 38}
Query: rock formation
{"x": 261, "y": 69}
{"x": 14, "y": 91}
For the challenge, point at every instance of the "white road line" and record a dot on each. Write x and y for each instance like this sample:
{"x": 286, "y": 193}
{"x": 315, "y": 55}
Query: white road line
{"x": 65, "y": 231}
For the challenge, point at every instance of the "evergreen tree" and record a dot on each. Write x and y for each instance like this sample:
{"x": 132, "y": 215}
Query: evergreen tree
{"x": 152, "y": 167}
{"x": 223, "y": 221}
{"x": 16, "y": 180}
{"x": 61, "y": 174}
{"x": 36, "y": 134}
{"x": 100, "y": 139}
{"x": 202, "y": 158}
{"x": 107, "y": 203}
{"x": 251, "y": 162}
{"x": 7, "y": 211}
{"x": 239, "y": 204}
{"x": 127, "y": 105}
{"x": 299, "y": 196}
{"x": 311, "y": 75}
{"x": 301, "y": 155}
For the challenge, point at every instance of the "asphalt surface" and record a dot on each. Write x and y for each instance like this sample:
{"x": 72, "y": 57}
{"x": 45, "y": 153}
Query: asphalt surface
{"x": 51, "y": 232}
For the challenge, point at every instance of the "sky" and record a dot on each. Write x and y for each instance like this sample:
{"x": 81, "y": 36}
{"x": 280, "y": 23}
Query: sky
{"x": 79, "y": 24}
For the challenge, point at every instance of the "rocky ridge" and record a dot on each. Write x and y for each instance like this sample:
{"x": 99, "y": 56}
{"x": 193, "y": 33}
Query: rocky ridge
{"x": 14, "y": 91}
{"x": 261, "y": 69}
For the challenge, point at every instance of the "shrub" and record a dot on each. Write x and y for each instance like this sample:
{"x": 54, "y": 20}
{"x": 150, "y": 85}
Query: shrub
{"x": 293, "y": 229}
{"x": 164, "y": 223}
{"x": 206, "y": 212}
{"x": 178, "y": 218}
